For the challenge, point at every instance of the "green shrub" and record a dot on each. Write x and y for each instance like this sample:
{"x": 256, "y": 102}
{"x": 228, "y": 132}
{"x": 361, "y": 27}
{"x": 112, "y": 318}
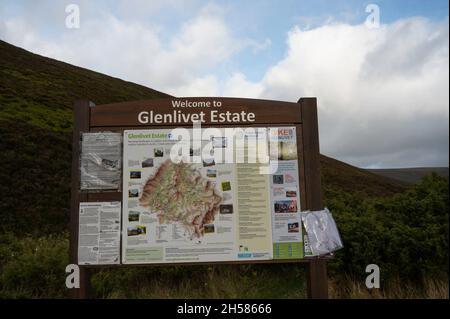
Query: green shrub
{"x": 33, "y": 267}
{"x": 406, "y": 235}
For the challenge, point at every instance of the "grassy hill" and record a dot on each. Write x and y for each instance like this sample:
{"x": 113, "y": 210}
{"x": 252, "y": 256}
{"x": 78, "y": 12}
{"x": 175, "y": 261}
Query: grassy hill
{"x": 36, "y": 98}
{"x": 337, "y": 174}
{"x": 410, "y": 175}
{"x": 402, "y": 228}
{"x": 40, "y": 91}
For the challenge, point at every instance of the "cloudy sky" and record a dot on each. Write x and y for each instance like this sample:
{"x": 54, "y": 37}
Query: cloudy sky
{"x": 382, "y": 88}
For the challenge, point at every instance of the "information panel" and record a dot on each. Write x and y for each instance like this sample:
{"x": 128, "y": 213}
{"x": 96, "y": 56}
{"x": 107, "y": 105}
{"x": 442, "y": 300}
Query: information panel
{"x": 99, "y": 233}
{"x": 222, "y": 195}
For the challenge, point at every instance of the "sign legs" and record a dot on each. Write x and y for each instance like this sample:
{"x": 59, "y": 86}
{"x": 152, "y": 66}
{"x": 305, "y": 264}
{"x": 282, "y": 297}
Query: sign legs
{"x": 85, "y": 290}
{"x": 317, "y": 283}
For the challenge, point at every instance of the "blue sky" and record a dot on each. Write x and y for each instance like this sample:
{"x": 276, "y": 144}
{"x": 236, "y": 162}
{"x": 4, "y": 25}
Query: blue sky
{"x": 274, "y": 50}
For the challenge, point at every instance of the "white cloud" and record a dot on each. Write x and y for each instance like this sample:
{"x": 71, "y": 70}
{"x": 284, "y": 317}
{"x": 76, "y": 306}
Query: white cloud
{"x": 137, "y": 52}
{"x": 238, "y": 86}
{"x": 200, "y": 86}
{"x": 382, "y": 94}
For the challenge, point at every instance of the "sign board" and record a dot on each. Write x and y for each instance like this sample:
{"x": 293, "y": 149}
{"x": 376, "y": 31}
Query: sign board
{"x": 229, "y": 191}
{"x": 204, "y": 208}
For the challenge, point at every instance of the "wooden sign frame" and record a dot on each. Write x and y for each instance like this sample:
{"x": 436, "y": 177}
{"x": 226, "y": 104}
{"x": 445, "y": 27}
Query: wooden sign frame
{"x": 117, "y": 117}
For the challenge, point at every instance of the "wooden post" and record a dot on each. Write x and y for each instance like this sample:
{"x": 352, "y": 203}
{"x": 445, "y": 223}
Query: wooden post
{"x": 81, "y": 111}
{"x": 317, "y": 268}
{"x": 311, "y": 153}
{"x": 317, "y": 283}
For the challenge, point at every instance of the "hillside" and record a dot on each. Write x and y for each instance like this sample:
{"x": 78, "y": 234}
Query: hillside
{"x": 410, "y": 175}
{"x": 36, "y": 95}
{"x": 337, "y": 174}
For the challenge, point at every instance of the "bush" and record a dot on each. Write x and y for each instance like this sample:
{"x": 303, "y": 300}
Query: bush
{"x": 33, "y": 267}
{"x": 406, "y": 235}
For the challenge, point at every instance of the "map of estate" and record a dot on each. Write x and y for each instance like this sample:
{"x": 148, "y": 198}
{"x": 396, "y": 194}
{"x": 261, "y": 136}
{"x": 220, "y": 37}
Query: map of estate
{"x": 179, "y": 193}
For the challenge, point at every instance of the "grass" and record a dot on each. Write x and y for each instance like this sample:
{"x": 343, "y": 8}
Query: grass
{"x": 217, "y": 282}
{"x": 426, "y": 288}
{"x": 35, "y": 115}
{"x": 34, "y": 267}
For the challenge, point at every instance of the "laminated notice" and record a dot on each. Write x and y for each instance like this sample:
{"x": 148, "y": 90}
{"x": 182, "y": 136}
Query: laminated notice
{"x": 323, "y": 235}
{"x": 100, "y": 162}
{"x": 99, "y": 233}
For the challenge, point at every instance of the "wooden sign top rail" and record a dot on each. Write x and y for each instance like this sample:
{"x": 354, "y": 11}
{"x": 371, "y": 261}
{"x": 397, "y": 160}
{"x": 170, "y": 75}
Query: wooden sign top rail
{"x": 265, "y": 111}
